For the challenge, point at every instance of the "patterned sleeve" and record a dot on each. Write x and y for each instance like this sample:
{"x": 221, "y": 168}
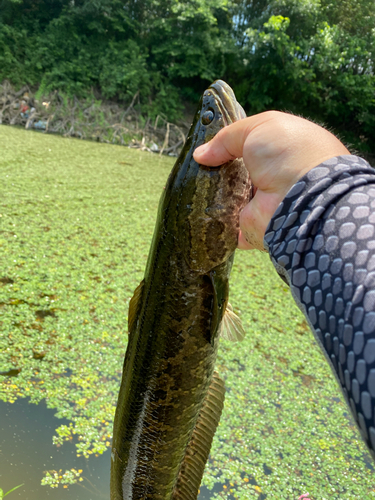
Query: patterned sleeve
{"x": 321, "y": 241}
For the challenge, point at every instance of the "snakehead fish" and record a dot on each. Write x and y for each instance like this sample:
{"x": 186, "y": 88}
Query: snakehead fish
{"x": 170, "y": 400}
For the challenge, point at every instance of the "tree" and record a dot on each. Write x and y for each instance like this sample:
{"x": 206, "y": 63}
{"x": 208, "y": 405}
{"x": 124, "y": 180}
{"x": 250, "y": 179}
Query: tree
{"x": 154, "y": 47}
{"x": 298, "y": 60}
{"x": 312, "y": 57}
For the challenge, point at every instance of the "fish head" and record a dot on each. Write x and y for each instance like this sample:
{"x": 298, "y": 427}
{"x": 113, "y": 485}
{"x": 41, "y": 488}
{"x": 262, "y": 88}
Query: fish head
{"x": 219, "y": 108}
{"x": 210, "y": 199}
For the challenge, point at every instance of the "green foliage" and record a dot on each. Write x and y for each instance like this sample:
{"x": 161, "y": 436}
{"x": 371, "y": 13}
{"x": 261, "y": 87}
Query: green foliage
{"x": 302, "y": 60}
{"x": 15, "y": 56}
{"x": 346, "y": 81}
{"x": 3, "y": 495}
{"x": 67, "y": 285}
{"x": 76, "y": 220}
{"x": 54, "y": 478}
{"x": 119, "y": 49}
{"x": 124, "y": 71}
{"x": 311, "y": 57}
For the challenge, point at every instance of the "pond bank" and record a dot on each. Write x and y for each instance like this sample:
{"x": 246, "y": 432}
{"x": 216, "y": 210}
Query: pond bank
{"x": 91, "y": 119}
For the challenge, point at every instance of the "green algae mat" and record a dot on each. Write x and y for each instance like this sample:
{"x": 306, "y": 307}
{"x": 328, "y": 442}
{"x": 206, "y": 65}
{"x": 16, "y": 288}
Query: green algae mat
{"x": 76, "y": 220}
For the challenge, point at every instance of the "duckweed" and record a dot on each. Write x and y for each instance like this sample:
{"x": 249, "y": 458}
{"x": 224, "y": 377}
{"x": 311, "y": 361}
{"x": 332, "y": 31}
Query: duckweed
{"x": 76, "y": 220}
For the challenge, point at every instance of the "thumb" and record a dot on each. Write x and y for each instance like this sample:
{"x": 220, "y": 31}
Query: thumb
{"x": 255, "y": 218}
{"x": 226, "y": 145}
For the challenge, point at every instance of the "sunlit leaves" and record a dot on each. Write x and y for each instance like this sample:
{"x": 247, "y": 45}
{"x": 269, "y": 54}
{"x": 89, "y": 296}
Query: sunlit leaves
{"x": 310, "y": 58}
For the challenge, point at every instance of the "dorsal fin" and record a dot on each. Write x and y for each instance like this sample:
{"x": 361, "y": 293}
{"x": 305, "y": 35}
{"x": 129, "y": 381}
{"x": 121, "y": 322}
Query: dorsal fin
{"x": 231, "y": 326}
{"x": 134, "y": 304}
{"x": 198, "y": 449}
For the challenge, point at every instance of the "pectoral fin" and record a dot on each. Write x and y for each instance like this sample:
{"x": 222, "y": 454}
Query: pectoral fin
{"x": 231, "y": 326}
{"x": 197, "y": 451}
{"x": 134, "y": 305}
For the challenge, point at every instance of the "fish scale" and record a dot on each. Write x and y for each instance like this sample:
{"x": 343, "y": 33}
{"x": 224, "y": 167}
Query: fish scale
{"x": 170, "y": 401}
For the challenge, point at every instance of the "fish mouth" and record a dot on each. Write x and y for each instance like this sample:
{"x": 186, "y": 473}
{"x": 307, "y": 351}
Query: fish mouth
{"x": 226, "y": 101}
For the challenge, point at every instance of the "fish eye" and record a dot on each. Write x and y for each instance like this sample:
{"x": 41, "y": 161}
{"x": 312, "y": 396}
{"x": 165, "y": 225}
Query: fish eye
{"x": 207, "y": 117}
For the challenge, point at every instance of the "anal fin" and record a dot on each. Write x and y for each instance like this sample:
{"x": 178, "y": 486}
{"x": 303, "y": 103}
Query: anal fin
{"x": 198, "y": 449}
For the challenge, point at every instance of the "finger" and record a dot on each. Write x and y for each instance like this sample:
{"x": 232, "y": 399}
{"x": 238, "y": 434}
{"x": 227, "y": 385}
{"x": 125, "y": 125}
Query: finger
{"x": 243, "y": 244}
{"x": 255, "y": 218}
{"x": 251, "y": 228}
{"x": 226, "y": 145}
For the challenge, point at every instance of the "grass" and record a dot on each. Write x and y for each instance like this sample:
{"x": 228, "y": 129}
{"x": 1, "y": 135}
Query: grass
{"x": 76, "y": 219}
{"x": 3, "y": 495}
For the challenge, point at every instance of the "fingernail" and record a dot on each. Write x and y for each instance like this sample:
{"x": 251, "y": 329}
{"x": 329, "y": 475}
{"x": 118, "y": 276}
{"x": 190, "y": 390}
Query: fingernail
{"x": 201, "y": 149}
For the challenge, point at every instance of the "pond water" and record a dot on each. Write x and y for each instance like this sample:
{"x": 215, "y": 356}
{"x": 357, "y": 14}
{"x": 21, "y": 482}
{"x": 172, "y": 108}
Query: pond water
{"x": 26, "y": 452}
{"x": 76, "y": 224}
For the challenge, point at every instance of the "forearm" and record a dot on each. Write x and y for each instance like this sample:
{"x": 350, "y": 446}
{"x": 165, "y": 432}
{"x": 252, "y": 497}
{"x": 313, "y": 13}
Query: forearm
{"x": 321, "y": 240}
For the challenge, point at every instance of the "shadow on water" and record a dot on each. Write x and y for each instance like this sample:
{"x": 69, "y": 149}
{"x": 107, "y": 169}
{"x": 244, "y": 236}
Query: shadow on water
{"x": 26, "y": 452}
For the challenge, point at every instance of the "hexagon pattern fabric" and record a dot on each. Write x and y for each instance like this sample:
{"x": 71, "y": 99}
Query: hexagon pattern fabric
{"x": 321, "y": 240}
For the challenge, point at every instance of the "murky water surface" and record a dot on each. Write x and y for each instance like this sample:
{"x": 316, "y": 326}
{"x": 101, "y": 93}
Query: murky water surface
{"x": 76, "y": 221}
{"x": 26, "y": 452}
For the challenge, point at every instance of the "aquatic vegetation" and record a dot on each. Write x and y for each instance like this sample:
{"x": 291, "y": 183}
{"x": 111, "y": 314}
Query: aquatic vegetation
{"x": 54, "y": 478}
{"x": 3, "y": 495}
{"x": 76, "y": 219}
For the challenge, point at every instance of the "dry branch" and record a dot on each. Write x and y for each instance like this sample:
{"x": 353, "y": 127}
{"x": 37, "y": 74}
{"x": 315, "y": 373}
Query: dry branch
{"x": 90, "y": 119}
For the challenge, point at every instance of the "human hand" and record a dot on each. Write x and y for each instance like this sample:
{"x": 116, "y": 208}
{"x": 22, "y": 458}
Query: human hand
{"x": 277, "y": 149}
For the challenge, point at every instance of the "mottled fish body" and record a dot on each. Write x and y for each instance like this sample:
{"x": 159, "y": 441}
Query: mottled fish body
{"x": 170, "y": 399}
